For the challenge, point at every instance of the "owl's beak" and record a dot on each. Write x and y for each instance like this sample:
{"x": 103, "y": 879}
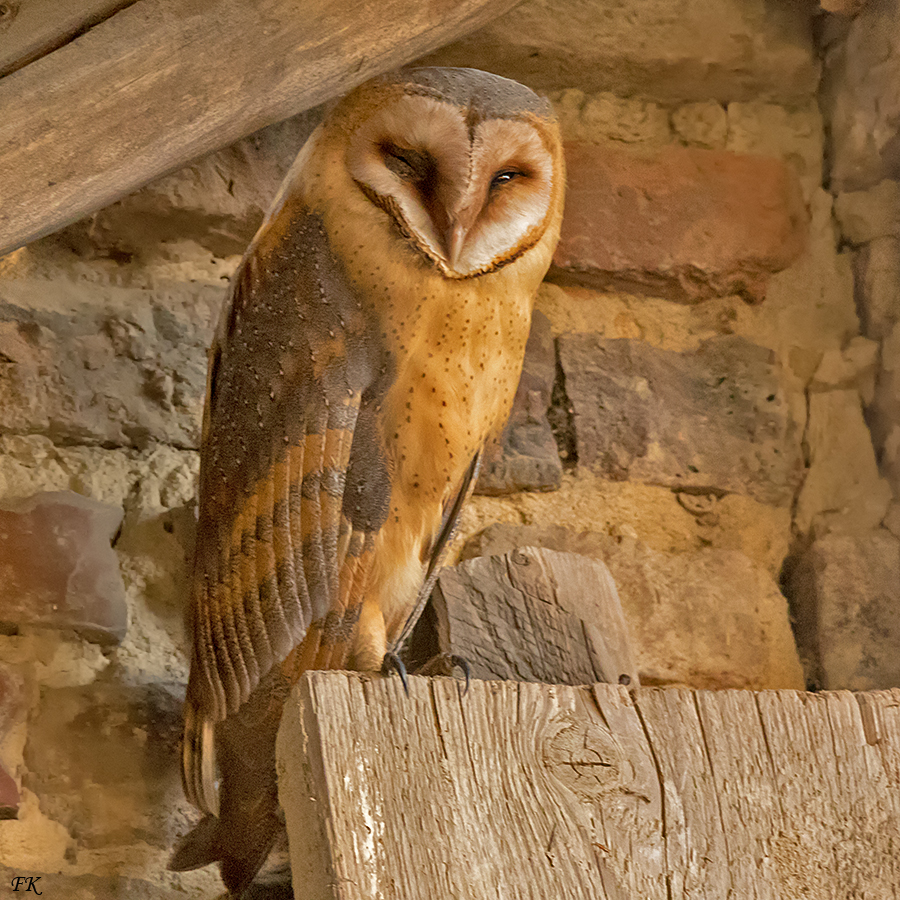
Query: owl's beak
{"x": 458, "y": 228}
{"x": 454, "y": 240}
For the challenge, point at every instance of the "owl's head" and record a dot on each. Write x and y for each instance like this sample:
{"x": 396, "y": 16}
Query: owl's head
{"x": 468, "y": 165}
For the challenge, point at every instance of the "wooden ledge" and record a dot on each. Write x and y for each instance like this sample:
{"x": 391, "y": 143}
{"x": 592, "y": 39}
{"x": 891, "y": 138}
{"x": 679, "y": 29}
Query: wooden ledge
{"x": 550, "y": 791}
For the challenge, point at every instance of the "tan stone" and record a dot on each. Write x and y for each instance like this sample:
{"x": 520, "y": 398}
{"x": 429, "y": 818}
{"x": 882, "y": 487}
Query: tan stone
{"x": 860, "y": 95}
{"x": 853, "y": 367}
{"x": 877, "y": 267}
{"x": 809, "y": 305}
{"x": 603, "y": 117}
{"x": 218, "y": 201}
{"x": 847, "y": 591}
{"x": 701, "y": 124}
{"x": 617, "y": 314}
{"x": 157, "y": 487}
{"x": 105, "y": 364}
{"x": 883, "y": 414}
{"x": 842, "y": 7}
{"x": 794, "y": 135}
{"x": 646, "y": 217}
{"x": 666, "y": 49}
{"x": 34, "y": 842}
{"x": 648, "y": 513}
{"x": 869, "y": 214}
{"x": 708, "y": 619}
{"x": 891, "y": 520}
{"x": 51, "y": 659}
{"x": 843, "y": 491}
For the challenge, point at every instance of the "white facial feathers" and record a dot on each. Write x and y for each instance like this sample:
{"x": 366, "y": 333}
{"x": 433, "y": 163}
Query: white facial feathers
{"x": 471, "y": 196}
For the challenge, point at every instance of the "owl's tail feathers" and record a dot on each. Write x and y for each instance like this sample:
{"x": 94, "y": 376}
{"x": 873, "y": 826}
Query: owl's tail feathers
{"x": 240, "y": 860}
{"x": 198, "y": 759}
{"x": 198, "y": 848}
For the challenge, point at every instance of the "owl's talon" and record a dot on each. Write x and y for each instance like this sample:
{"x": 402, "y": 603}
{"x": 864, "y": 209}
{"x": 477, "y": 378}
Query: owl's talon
{"x": 444, "y": 664}
{"x": 460, "y": 662}
{"x": 393, "y": 663}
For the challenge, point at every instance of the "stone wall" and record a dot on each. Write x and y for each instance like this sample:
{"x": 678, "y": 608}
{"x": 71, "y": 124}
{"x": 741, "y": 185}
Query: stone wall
{"x": 710, "y": 402}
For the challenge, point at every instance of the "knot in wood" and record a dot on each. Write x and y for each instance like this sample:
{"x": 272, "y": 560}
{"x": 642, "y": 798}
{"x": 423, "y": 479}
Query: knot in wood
{"x": 520, "y": 558}
{"x": 585, "y": 757}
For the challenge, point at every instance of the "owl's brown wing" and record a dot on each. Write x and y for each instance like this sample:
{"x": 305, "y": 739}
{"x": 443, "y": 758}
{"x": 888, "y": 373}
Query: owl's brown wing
{"x": 294, "y": 482}
{"x": 441, "y": 547}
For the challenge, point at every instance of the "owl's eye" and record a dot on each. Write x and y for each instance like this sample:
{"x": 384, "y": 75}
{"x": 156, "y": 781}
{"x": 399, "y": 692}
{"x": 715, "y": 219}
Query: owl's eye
{"x": 505, "y": 176}
{"x": 410, "y": 165}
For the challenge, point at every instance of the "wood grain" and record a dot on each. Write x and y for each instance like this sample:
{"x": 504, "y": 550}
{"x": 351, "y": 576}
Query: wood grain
{"x": 164, "y": 81}
{"x": 29, "y": 29}
{"x": 532, "y": 615}
{"x": 549, "y": 791}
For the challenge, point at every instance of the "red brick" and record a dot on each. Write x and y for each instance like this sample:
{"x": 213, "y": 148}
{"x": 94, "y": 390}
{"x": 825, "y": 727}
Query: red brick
{"x": 681, "y": 221}
{"x": 57, "y": 568}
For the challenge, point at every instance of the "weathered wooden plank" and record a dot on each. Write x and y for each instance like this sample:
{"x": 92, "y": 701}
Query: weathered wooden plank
{"x": 696, "y": 853}
{"x": 531, "y": 615}
{"x": 524, "y": 790}
{"x": 631, "y": 818}
{"x": 30, "y": 29}
{"x": 165, "y": 81}
{"x": 842, "y": 823}
{"x": 744, "y": 787}
{"x": 431, "y": 795}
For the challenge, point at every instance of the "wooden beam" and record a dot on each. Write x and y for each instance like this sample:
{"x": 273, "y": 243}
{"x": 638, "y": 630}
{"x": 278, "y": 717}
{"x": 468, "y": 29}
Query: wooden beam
{"x": 164, "y": 81}
{"x": 30, "y": 29}
{"x": 535, "y": 791}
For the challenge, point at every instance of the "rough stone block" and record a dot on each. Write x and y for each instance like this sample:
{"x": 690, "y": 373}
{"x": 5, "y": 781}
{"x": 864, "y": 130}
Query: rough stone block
{"x": 711, "y": 421}
{"x": 103, "y": 760}
{"x": 57, "y": 568}
{"x": 683, "y": 220}
{"x": 218, "y": 201}
{"x": 606, "y": 117}
{"x": 842, "y": 7}
{"x": 876, "y": 268}
{"x": 873, "y": 213}
{"x": 9, "y": 795}
{"x": 846, "y": 593}
{"x": 809, "y": 306}
{"x": 794, "y": 135}
{"x": 708, "y": 619}
{"x": 853, "y": 367}
{"x": 527, "y": 459}
{"x": 668, "y": 49}
{"x": 704, "y": 124}
{"x": 93, "y": 363}
{"x": 861, "y": 99}
{"x": 883, "y": 414}
{"x": 11, "y": 711}
{"x": 843, "y": 490}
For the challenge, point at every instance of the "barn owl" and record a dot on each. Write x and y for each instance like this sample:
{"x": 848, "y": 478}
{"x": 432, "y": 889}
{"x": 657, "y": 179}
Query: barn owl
{"x": 371, "y": 343}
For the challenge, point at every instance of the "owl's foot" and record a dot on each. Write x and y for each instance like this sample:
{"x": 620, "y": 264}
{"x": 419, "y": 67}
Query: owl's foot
{"x": 393, "y": 663}
{"x": 446, "y": 664}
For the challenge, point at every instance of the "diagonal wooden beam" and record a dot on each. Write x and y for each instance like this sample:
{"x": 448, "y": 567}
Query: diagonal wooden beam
{"x": 161, "y": 82}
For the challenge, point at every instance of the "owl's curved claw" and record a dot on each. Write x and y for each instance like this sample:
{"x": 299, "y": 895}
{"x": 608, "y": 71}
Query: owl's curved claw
{"x": 444, "y": 664}
{"x": 393, "y": 663}
{"x": 460, "y": 662}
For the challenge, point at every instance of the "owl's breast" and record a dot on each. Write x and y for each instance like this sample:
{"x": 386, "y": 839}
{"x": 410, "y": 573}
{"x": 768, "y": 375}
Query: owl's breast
{"x": 457, "y": 366}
